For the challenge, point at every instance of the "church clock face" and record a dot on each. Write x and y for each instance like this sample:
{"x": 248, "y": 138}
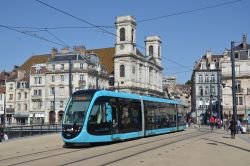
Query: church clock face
{"x": 122, "y": 46}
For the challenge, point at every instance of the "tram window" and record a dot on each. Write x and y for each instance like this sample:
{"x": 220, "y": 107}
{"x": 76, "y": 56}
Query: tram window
{"x": 181, "y": 115}
{"x": 129, "y": 115}
{"x": 159, "y": 115}
{"x": 99, "y": 121}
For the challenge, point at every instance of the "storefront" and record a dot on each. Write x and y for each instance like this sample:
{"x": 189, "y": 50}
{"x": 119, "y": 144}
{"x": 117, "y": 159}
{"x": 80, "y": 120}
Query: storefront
{"x": 21, "y": 118}
{"x": 36, "y": 118}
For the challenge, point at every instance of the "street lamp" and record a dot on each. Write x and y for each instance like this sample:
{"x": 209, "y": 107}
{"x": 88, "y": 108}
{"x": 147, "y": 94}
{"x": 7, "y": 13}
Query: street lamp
{"x": 233, "y": 81}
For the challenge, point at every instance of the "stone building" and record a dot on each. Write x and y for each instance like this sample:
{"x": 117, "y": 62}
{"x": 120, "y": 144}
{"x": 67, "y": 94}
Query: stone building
{"x": 133, "y": 71}
{"x": 242, "y": 80}
{"x": 2, "y": 103}
{"x": 49, "y": 79}
{"x": 206, "y": 91}
{"x": 85, "y": 72}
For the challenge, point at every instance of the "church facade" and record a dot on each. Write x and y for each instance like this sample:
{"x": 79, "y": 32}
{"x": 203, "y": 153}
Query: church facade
{"x": 135, "y": 72}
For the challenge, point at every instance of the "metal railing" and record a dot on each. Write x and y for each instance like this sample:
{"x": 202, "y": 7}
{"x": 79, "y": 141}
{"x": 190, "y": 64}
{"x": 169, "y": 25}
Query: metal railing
{"x": 30, "y": 130}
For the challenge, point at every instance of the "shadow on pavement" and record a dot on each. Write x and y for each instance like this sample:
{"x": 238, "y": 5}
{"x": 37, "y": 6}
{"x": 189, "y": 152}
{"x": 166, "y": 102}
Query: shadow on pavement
{"x": 247, "y": 150}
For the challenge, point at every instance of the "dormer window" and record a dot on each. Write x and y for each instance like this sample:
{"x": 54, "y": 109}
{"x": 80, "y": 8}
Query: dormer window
{"x": 203, "y": 66}
{"x": 236, "y": 55}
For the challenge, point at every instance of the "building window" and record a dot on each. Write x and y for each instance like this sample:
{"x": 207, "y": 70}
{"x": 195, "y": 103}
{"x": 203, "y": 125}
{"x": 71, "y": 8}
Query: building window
{"x": 201, "y": 90}
{"x": 132, "y": 35}
{"x": 212, "y": 78}
{"x": 38, "y": 71}
{"x": 239, "y": 100}
{"x": 212, "y": 90}
{"x": 61, "y": 104}
{"x": 11, "y": 97}
{"x": 122, "y": 34}
{"x": 238, "y": 86}
{"x": 11, "y": 87}
{"x": 81, "y": 77}
{"x": 52, "y": 90}
{"x": 122, "y": 71}
{"x": 62, "y": 67}
{"x": 62, "y": 78}
{"x": 25, "y": 107}
{"x": 39, "y": 92}
{"x": 236, "y": 55}
{"x": 19, "y": 96}
{"x": 159, "y": 51}
{"x": 52, "y": 103}
{"x": 151, "y": 50}
{"x": 133, "y": 69}
{"x": 52, "y": 78}
{"x": 200, "y": 79}
{"x": 206, "y": 90}
{"x": 25, "y": 95}
{"x": 19, "y": 107}
{"x": 61, "y": 91}
{"x": 81, "y": 65}
{"x": 206, "y": 78}
{"x": 38, "y": 80}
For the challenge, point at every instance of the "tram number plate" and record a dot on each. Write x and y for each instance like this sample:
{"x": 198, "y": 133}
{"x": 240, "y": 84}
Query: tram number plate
{"x": 68, "y": 135}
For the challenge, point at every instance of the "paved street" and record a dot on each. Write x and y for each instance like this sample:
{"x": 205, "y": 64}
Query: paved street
{"x": 190, "y": 147}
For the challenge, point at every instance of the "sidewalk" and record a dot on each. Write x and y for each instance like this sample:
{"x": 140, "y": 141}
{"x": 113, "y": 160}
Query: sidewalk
{"x": 217, "y": 148}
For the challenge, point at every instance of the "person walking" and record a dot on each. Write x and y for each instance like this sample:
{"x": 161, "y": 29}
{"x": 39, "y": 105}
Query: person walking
{"x": 232, "y": 127}
{"x": 211, "y": 120}
{"x": 1, "y": 133}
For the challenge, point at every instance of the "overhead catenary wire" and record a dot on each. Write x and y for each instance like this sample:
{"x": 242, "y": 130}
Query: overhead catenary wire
{"x": 105, "y": 31}
{"x": 77, "y": 18}
{"x": 56, "y": 37}
{"x": 189, "y": 11}
{"x": 32, "y": 35}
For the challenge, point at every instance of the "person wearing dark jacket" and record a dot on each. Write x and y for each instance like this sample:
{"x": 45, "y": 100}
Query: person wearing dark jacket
{"x": 1, "y": 133}
{"x": 232, "y": 127}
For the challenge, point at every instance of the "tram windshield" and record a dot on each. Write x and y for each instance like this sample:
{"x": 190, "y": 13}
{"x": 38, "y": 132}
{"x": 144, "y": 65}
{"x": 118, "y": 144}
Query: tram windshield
{"x": 76, "y": 110}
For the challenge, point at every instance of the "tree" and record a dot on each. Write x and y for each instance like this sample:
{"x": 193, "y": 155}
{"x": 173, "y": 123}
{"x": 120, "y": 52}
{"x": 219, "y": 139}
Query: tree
{"x": 189, "y": 82}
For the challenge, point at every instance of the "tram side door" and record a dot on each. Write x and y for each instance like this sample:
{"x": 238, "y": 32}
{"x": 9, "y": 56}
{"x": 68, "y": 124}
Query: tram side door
{"x": 177, "y": 117}
{"x": 115, "y": 123}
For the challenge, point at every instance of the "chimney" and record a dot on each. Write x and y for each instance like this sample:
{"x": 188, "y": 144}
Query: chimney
{"x": 244, "y": 41}
{"x": 53, "y": 52}
{"x": 80, "y": 49}
{"x": 65, "y": 50}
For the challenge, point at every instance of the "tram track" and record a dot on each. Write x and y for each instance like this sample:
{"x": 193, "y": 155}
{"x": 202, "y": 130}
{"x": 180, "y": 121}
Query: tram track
{"x": 42, "y": 155}
{"x": 136, "y": 153}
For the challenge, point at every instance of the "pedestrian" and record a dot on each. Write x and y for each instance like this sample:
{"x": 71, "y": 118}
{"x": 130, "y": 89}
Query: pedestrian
{"x": 1, "y": 133}
{"x": 211, "y": 120}
{"x": 238, "y": 126}
{"x": 232, "y": 127}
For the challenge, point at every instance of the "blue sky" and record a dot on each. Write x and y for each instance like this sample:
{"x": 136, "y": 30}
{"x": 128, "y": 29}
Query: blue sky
{"x": 185, "y": 37}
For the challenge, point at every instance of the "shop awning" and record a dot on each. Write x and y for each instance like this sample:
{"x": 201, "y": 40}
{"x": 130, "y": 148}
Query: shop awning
{"x": 21, "y": 115}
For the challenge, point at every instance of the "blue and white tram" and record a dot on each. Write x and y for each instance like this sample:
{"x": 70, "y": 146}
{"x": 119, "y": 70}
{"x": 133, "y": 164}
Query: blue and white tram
{"x": 103, "y": 116}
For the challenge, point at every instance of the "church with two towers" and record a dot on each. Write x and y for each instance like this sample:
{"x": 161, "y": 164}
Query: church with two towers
{"x": 135, "y": 72}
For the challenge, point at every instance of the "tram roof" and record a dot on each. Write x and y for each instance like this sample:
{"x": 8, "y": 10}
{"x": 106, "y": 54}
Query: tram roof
{"x": 127, "y": 95}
